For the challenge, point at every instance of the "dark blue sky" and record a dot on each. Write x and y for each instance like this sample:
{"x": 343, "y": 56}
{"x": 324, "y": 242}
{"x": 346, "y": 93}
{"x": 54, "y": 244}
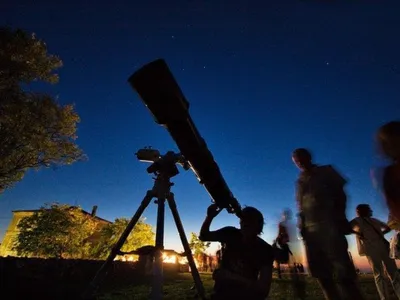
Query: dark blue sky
{"x": 262, "y": 78}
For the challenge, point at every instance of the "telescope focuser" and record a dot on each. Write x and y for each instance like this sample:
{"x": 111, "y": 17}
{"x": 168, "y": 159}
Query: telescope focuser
{"x": 162, "y": 164}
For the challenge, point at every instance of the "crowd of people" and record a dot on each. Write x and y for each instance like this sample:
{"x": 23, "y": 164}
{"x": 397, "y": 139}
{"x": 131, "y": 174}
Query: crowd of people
{"x": 246, "y": 263}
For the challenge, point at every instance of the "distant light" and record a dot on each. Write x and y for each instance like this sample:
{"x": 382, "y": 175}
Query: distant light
{"x": 169, "y": 259}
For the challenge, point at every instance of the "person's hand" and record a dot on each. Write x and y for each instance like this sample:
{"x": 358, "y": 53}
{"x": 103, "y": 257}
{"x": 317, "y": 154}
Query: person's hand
{"x": 213, "y": 210}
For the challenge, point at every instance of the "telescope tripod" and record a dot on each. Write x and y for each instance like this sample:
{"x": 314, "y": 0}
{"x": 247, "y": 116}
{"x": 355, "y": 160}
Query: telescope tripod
{"x": 162, "y": 192}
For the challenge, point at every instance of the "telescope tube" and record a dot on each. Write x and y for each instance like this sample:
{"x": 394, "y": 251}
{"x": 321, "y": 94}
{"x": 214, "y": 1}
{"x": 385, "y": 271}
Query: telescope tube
{"x": 161, "y": 94}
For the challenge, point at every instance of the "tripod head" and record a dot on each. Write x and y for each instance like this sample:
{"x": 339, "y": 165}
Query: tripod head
{"x": 162, "y": 164}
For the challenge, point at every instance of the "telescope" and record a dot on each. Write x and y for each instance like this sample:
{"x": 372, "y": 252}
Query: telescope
{"x": 162, "y": 95}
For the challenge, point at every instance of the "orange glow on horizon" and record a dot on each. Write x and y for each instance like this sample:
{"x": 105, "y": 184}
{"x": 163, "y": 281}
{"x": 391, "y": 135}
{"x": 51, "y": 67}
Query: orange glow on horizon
{"x": 169, "y": 259}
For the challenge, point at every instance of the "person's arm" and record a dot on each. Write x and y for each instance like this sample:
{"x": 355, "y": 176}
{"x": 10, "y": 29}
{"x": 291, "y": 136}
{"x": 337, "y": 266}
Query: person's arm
{"x": 357, "y": 233}
{"x": 383, "y": 226}
{"x": 205, "y": 233}
{"x": 300, "y": 216}
{"x": 389, "y": 190}
{"x": 386, "y": 229}
{"x": 353, "y": 226}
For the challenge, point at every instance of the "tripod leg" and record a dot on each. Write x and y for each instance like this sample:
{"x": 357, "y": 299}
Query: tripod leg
{"x": 157, "y": 289}
{"x": 195, "y": 273}
{"x": 102, "y": 272}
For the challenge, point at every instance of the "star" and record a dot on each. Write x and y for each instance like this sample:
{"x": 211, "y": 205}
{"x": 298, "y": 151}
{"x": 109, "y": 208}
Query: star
{"x": 172, "y": 37}
{"x": 327, "y": 63}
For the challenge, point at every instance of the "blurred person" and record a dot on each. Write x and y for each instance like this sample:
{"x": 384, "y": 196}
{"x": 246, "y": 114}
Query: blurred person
{"x": 375, "y": 247}
{"x": 282, "y": 255}
{"x": 395, "y": 246}
{"x": 287, "y": 233}
{"x": 321, "y": 201}
{"x": 245, "y": 271}
{"x": 281, "y": 243}
{"x": 388, "y": 137}
{"x": 288, "y": 245}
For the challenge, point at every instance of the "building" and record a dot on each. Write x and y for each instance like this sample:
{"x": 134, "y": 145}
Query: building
{"x": 12, "y": 230}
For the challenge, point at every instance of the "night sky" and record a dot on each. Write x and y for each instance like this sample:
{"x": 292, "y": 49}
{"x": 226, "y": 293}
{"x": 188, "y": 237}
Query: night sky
{"x": 262, "y": 78}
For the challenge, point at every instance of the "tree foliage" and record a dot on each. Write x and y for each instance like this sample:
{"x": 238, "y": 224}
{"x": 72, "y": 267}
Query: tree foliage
{"x": 24, "y": 58}
{"x": 56, "y": 230}
{"x": 141, "y": 235}
{"x": 35, "y": 130}
{"x": 196, "y": 245}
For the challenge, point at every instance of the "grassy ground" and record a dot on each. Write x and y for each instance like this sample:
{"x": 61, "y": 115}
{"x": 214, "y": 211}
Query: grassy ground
{"x": 179, "y": 286}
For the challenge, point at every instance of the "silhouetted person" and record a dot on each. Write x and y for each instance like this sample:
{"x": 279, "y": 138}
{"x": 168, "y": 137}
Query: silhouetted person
{"x": 395, "y": 246}
{"x": 389, "y": 141}
{"x": 281, "y": 255}
{"x": 323, "y": 224}
{"x": 219, "y": 256}
{"x": 287, "y": 234}
{"x": 282, "y": 250}
{"x": 301, "y": 268}
{"x": 245, "y": 271}
{"x": 375, "y": 247}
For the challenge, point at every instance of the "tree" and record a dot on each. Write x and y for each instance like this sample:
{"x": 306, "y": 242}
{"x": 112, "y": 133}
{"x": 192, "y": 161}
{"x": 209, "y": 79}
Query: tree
{"x": 141, "y": 235}
{"x": 35, "y": 130}
{"x": 59, "y": 231}
{"x": 196, "y": 245}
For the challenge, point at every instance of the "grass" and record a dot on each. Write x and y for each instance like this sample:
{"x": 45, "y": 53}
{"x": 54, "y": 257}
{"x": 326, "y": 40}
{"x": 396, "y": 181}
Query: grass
{"x": 178, "y": 287}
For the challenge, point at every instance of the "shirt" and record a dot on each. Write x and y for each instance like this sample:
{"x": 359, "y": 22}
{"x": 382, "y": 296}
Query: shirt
{"x": 320, "y": 196}
{"x": 371, "y": 239}
{"x": 289, "y": 229}
{"x": 243, "y": 259}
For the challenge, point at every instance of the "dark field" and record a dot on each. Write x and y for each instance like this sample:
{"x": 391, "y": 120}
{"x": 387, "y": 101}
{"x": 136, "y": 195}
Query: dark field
{"x": 66, "y": 279}
{"x": 179, "y": 288}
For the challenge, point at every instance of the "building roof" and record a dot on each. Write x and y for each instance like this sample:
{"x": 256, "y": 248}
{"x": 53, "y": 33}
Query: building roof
{"x": 83, "y": 211}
